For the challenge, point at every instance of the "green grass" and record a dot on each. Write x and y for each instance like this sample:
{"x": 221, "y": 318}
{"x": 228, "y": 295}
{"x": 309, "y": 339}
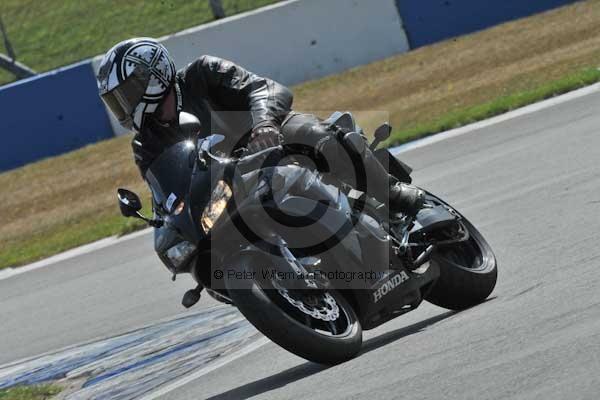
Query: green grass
{"x": 38, "y": 392}
{"x": 67, "y": 236}
{"x": 47, "y": 34}
{"x": 88, "y": 229}
{"x": 495, "y": 107}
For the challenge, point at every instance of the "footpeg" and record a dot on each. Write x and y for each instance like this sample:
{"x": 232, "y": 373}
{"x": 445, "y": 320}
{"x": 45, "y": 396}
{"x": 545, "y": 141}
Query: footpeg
{"x": 191, "y": 297}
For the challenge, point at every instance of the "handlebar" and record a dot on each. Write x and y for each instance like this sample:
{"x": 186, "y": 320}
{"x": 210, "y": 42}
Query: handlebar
{"x": 256, "y": 160}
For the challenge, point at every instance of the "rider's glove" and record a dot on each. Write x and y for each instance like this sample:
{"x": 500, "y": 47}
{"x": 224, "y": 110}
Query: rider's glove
{"x": 263, "y": 137}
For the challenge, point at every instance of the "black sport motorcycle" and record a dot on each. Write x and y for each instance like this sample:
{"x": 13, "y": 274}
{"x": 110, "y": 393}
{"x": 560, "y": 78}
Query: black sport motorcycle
{"x": 307, "y": 259}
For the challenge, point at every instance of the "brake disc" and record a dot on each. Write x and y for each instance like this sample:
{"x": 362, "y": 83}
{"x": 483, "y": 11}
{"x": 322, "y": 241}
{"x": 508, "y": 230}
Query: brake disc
{"x": 329, "y": 310}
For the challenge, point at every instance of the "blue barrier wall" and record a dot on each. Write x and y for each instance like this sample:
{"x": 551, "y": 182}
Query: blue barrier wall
{"x": 50, "y": 114}
{"x": 430, "y": 21}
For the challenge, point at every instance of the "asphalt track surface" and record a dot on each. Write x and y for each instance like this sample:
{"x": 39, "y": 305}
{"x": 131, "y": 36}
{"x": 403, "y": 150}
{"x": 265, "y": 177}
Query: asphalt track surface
{"x": 530, "y": 184}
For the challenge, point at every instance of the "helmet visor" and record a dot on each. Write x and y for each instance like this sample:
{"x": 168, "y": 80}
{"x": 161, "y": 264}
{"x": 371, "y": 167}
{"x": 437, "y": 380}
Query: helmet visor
{"x": 123, "y": 99}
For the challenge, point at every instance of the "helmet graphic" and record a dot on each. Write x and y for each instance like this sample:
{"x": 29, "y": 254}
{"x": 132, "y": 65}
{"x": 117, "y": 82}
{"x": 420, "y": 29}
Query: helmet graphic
{"x": 134, "y": 76}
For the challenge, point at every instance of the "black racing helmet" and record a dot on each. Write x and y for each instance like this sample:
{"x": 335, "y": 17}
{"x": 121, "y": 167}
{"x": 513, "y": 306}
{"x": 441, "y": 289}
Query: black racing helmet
{"x": 133, "y": 78}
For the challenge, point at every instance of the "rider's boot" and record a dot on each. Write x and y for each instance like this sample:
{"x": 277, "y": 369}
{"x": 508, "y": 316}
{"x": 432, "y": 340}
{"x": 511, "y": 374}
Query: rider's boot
{"x": 398, "y": 196}
{"x": 407, "y": 198}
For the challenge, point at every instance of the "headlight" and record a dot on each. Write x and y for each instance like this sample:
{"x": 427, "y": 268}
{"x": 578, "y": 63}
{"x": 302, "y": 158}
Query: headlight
{"x": 215, "y": 207}
{"x": 180, "y": 253}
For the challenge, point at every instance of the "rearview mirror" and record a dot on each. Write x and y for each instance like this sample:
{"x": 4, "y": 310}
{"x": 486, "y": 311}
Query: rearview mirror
{"x": 129, "y": 203}
{"x": 383, "y": 132}
{"x": 189, "y": 124}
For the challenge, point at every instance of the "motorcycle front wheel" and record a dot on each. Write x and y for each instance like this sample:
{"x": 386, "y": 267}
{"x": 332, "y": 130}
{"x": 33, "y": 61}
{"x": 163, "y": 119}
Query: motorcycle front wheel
{"x": 318, "y": 325}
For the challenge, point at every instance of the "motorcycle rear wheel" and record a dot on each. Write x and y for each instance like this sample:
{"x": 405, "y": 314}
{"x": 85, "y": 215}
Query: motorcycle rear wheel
{"x": 468, "y": 270}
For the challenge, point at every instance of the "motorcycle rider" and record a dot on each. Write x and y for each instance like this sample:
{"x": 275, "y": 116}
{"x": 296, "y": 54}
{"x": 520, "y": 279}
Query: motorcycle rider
{"x": 138, "y": 82}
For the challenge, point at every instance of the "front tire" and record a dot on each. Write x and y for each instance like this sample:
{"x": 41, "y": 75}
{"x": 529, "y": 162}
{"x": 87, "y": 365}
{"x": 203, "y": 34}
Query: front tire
{"x": 468, "y": 270}
{"x": 277, "y": 319}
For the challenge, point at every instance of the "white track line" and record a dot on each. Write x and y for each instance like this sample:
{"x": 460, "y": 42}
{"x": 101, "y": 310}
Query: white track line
{"x": 6, "y": 273}
{"x": 586, "y": 91}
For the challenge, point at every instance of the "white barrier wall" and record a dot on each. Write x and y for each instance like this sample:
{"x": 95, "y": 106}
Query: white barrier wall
{"x": 298, "y": 40}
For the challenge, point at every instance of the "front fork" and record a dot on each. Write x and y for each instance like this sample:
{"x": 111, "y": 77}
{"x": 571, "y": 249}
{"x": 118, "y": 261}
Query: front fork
{"x": 293, "y": 270}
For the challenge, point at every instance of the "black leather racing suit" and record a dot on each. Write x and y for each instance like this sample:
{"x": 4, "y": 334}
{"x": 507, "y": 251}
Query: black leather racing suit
{"x": 229, "y": 100}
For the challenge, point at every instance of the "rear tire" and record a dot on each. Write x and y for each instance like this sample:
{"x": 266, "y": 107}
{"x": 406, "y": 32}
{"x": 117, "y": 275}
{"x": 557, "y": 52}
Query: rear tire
{"x": 468, "y": 271}
{"x": 257, "y": 305}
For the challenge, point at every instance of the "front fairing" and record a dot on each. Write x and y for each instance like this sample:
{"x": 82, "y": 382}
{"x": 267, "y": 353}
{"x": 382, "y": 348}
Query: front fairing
{"x": 176, "y": 176}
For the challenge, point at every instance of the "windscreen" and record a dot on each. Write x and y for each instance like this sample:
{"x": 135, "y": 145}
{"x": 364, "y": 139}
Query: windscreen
{"x": 170, "y": 174}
